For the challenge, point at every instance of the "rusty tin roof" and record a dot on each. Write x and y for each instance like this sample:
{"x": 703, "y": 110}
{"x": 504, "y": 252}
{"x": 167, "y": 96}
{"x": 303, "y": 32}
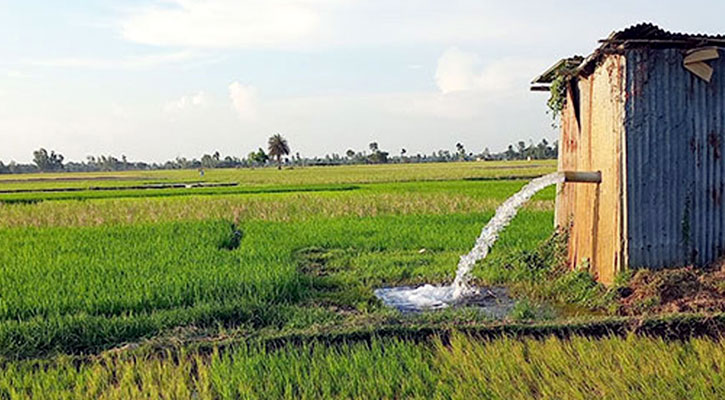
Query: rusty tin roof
{"x": 636, "y": 36}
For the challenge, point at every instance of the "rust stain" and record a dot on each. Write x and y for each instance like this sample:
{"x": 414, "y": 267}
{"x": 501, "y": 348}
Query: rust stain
{"x": 714, "y": 141}
{"x": 595, "y": 211}
{"x": 716, "y": 195}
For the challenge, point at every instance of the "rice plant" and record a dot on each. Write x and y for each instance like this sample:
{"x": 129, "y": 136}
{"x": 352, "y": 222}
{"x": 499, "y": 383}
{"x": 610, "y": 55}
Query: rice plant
{"x": 463, "y": 367}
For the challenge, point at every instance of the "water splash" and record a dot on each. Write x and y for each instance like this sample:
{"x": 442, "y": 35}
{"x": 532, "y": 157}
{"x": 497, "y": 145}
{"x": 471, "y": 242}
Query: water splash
{"x": 504, "y": 214}
{"x": 433, "y": 297}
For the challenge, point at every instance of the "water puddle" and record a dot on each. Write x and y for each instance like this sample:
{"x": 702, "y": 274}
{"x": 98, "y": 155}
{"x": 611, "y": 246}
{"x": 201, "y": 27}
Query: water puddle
{"x": 492, "y": 301}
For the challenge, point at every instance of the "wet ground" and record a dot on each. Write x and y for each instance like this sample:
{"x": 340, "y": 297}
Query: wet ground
{"x": 495, "y": 302}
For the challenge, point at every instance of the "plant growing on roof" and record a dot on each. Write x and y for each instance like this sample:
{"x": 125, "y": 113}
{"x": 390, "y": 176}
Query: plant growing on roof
{"x": 557, "y": 98}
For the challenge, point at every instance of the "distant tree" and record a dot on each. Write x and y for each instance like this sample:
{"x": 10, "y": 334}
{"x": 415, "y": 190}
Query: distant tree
{"x": 182, "y": 163}
{"x": 262, "y": 157}
{"x": 350, "y": 153}
{"x": 3, "y": 168}
{"x": 208, "y": 161}
{"x": 461, "y": 151}
{"x": 376, "y": 156}
{"x": 108, "y": 163}
{"x": 278, "y": 147}
{"x": 521, "y": 149}
{"x": 47, "y": 161}
{"x": 379, "y": 157}
{"x": 258, "y": 157}
{"x": 510, "y": 153}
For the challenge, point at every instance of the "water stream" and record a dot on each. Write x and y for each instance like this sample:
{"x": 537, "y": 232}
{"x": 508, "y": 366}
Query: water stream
{"x": 435, "y": 297}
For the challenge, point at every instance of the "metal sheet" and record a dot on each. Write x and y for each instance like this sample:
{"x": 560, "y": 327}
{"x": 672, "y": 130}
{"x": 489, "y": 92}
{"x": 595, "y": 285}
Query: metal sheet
{"x": 674, "y": 124}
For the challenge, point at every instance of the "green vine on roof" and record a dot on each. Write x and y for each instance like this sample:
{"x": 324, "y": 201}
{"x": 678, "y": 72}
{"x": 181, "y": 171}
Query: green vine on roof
{"x": 557, "y": 99}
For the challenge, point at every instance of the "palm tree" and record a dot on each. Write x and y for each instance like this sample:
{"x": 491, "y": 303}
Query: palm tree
{"x": 278, "y": 147}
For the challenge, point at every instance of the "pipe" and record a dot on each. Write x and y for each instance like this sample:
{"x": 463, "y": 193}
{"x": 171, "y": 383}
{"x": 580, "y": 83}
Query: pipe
{"x": 583, "y": 176}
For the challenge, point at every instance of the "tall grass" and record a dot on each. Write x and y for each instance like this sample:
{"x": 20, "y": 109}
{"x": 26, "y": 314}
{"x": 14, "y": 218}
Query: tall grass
{"x": 578, "y": 368}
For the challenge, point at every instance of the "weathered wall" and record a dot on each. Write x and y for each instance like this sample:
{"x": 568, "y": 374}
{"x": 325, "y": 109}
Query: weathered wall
{"x": 675, "y": 124}
{"x": 593, "y": 143}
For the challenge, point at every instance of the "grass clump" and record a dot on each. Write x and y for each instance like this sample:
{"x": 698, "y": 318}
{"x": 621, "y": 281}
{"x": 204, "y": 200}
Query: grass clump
{"x": 542, "y": 276}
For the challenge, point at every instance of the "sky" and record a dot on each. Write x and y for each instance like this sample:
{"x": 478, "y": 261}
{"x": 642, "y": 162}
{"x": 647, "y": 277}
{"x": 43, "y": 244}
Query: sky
{"x": 158, "y": 79}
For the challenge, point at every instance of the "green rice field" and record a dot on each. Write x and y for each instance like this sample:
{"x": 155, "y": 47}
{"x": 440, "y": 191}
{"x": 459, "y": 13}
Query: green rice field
{"x": 109, "y": 293}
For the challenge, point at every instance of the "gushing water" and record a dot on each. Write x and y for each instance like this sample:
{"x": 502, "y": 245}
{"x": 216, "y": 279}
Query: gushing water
{"x": 432, "y": 297}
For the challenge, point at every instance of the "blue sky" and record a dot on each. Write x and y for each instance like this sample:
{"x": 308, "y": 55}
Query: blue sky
{"x": 159, "y": 79}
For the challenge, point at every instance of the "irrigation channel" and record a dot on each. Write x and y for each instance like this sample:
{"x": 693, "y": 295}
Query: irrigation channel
{"x": 493, "y": 301}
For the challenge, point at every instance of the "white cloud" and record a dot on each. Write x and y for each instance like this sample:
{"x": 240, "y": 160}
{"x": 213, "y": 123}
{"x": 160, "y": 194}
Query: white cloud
{"x": 295, "y": 24}
{"x": 119, "y": 111}
{"x": 315, "y": 125}
{"x": 244, "y": 100}
{"x": 457, "y": 71}
{"x": 222, "y": 23}
{"x": 132, "y": 62}
{"x": 187, "y": 102}
{"x": 17, "y": 74}
{"x": 461, "y": 71}
{"x": 451, "y": 106}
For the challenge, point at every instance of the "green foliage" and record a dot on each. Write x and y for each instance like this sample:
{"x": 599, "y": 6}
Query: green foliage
{"x": 278, "y": 147}
{"x": 259, "y": 157}
{"x": 540, "y": 274}
{"x": 557, "y": 97}
{"x": 379, "y": 157}
{"x": 47, "y": 162}
{"x": 523, "y": 310}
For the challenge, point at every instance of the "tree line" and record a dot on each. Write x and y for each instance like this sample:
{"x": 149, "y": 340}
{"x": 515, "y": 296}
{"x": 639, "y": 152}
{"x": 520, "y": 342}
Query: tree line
{"x": 278, "y": 154}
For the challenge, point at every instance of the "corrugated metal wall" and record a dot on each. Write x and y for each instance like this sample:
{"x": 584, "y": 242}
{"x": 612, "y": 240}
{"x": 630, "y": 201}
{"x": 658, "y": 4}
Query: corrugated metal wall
{"x": 675, "y": 127}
